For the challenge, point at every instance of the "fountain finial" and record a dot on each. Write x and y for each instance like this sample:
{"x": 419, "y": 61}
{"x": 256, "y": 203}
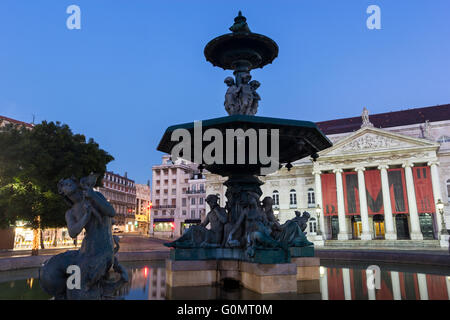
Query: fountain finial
{"x": 240, "y": 24}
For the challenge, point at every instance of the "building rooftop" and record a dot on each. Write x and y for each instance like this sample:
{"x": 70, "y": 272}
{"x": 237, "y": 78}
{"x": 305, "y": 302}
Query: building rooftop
{"x": 26, "y": 124}
{"x": 388, "y": 119}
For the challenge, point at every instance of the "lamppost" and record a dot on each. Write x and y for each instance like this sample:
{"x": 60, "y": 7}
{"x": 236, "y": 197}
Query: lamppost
{"x": 440, "y": 207}
{"x": 318, "y": 212}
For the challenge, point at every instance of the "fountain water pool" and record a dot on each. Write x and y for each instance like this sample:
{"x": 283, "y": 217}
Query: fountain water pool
{"x": 339, "y": 280}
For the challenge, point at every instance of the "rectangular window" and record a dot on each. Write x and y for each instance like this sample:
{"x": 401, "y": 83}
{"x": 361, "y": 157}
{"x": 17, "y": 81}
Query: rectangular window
{"x": 293, "y": 199}
{"x": 193, "y": 201}
{"x": 276, "y": 199}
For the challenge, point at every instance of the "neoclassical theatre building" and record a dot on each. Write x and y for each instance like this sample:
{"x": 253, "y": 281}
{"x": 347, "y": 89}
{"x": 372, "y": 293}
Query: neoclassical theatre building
{"x": 380, "y": 182}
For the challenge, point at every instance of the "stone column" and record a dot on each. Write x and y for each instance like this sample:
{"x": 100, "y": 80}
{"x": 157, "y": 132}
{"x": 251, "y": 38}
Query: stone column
{"x": 318, "y": 195}
{"x": 366, "y": 234}
{"x": 416, "y": 233}
{"x": 423, "y": 289}
{"x": 347, "y": 284}
{"x": 324, "y": 283}
{"x": 343, "y": 232}
{"x": 388, "y": 218}
{"x": 436, "y": 192}
{"x": 447, "y": 281}
{"x": 396, "y": 292}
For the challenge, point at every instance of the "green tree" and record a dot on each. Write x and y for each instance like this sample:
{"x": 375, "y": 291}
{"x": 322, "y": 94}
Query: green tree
{"x": 32, "y": 161}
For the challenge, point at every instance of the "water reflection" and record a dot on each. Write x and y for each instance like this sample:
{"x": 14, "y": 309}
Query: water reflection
{"x": 351, "y": 284}
{"x": 338, "y": 281}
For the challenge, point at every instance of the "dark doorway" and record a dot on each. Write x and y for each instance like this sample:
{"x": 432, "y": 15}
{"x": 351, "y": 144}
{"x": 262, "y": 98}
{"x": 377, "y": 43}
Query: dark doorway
{"x": 401, "y": 222}
{"x": 426, "y": 226}
{"x": 334, "y": 227}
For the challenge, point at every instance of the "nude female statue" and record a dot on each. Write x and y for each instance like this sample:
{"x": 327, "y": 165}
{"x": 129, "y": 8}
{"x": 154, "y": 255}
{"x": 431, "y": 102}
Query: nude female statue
{"x": 92, "y": 212}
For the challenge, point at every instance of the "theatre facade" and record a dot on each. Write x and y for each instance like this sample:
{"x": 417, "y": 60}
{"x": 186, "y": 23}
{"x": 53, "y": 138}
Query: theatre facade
{"x": 384, "y": 178}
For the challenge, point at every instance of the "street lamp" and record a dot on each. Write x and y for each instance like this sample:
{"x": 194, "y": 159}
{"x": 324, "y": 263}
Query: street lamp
{"x": 318, "y": 212}
{"x": 440, "y": 207}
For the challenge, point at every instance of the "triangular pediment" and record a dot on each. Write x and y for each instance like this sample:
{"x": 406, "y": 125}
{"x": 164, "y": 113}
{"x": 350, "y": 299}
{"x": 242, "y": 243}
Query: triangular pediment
{"x": 372, "y": 140}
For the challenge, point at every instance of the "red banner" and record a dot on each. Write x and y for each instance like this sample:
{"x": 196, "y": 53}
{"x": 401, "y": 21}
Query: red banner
{"x": 423, "y": 189}
{"x": 351, "y": 194}
{"x": 329, "y": 197}
{"x": 374, "y": 193}
{"x": 397, "y": 190}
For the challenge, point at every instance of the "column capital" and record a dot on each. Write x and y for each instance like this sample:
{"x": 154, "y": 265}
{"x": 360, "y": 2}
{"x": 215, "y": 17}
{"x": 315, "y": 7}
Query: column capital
{"x": 383, "y": 166}
{"x": 360, "y": 169}
{"x": 407, "y": 164}
{"x": 316, "y": 171}
{"x": 338, "y": 170}
{"x": 434, "y": 162}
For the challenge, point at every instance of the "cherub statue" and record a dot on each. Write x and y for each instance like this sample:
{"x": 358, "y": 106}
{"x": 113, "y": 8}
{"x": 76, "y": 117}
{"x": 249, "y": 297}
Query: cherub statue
{"x": 245, "y": 94}
{"x": 254, "y": 85}
{"x": 231, "y": 97}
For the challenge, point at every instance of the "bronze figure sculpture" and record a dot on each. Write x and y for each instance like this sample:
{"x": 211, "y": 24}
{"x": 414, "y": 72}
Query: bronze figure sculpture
{"x": 100, "y": 272}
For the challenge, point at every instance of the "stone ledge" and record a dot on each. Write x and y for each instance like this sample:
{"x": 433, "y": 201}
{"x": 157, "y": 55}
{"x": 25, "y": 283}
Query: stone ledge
{"x": 306, "y": 261}
{"x": 15, "y": 263}
{"x": 269, "y": 284}
{"x": 264, "y": 256}
{"x": 420, "y": 258}
{"x": 258, "y": 277}
{"x": 190, "y": 278}
{"x": 308, "y": 273}
{"x": 268, "y": 269}
{"x": 191, "y": 265}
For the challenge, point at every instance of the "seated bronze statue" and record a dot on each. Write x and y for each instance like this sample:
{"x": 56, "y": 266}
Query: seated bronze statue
{"x": 100, "y": 272}
{"x": 198, "y": 235}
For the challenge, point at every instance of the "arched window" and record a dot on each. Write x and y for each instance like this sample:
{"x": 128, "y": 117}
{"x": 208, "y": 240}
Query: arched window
{"x": 276, "y": 198}
{"x": 293, "y": 198}
{"x": 312, "y": 225}
{"x": 311, "y": 198}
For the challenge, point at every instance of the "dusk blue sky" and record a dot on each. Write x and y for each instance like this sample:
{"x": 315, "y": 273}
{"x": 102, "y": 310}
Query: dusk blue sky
{"x": 137, "y": 67}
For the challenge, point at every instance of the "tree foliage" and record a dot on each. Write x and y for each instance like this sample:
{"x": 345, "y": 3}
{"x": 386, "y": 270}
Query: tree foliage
{"x": 32, "y": 161}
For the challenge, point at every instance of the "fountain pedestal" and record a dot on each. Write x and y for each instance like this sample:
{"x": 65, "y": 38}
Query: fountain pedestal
{"x": 299, "y": 276}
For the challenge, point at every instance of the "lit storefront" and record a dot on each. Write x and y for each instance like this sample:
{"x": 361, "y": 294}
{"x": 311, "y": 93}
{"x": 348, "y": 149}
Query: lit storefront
{"x": 164, "y": 227}
{"x": 51, "y": 238}
{"x": 189, "y": 223}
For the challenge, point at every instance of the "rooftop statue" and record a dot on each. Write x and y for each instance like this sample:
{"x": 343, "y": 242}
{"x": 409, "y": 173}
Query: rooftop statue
{"x": 365, "y": 119}
{"x": 100, "y": 272}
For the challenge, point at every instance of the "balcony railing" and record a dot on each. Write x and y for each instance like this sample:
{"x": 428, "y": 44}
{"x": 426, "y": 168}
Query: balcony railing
{"x": 165, "y": 206}
{"x": 194, "y": 191}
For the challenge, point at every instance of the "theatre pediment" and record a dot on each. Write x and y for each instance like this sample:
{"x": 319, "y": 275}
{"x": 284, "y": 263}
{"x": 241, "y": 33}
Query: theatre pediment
{"x": 373, "y": 140}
